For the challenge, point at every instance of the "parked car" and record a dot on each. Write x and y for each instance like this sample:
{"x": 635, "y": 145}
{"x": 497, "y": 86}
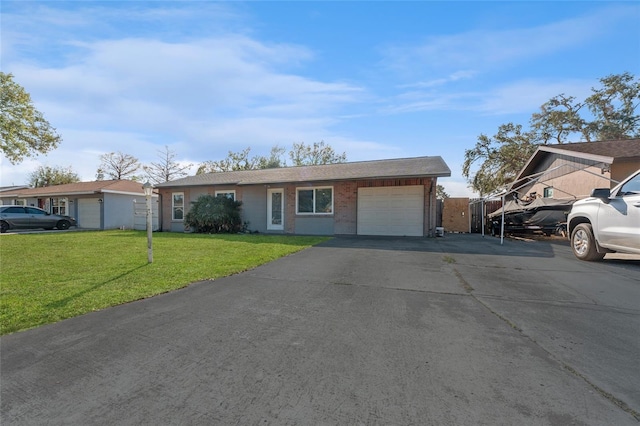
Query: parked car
{"x": 22, "y": 217}
{"x": 608, "y": 221}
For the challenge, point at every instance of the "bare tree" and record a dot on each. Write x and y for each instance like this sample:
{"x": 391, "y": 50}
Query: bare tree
{"x": 167, "y": 168}
{"x": 117, "y": 165}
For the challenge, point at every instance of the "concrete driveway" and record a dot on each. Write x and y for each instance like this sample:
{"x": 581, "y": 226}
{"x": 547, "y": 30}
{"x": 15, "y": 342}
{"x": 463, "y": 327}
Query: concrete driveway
{"x": 374, "y": 331}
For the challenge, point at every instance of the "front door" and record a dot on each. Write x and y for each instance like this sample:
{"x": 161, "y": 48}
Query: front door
{"x": 275, "y": 209}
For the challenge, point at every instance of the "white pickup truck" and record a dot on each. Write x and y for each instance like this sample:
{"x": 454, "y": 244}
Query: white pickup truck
{"x": 606, "y": 222}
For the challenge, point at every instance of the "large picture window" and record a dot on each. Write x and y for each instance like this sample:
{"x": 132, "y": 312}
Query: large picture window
{"x": 177, "y": 206}
{"x": 314, "y": 200}
{"x": 229, "y": 193}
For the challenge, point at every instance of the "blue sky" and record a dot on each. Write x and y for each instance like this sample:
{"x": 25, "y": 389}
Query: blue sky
{"x": 373, "y": 79}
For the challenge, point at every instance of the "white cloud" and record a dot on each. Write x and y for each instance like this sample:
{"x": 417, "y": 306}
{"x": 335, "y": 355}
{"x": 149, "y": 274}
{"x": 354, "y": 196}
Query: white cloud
{"x": 212, "y": 95}
{"x": 457, "y": 187}
{"x": 487, "y": 49}
{"x": 526, "y": 96}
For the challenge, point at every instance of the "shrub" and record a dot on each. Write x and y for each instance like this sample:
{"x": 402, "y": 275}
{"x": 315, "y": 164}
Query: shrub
{"x": 214, "y": 215}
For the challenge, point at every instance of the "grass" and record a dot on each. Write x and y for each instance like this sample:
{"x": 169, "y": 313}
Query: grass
{"x": 48, "y": 277}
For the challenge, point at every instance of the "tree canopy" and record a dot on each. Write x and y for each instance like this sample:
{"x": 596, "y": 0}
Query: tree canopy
{"x": 118, "y": 166}
{"x": 301, "y": 155}
{"x": 609, "y": 113}
{"x": 48, "y": 176}
{"x": 24, "y": 132}
{"x": 441, "y": 194}
{"x": 312, "y": 155}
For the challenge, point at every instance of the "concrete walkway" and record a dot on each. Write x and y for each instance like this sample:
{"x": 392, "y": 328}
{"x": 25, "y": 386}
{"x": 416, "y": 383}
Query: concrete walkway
{"x": 374, "y": 331}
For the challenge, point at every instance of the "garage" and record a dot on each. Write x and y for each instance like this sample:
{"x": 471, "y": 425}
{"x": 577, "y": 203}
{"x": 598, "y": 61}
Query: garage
{"x": 391, "y": 210}
{"x": 89, "y": 213}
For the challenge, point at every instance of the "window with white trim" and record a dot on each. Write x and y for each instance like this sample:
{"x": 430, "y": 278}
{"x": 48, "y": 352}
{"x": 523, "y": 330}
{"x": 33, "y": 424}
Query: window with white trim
{"x": 314, "y": 200}
{"x": 229, "y": 193}
{"x": 59, "y": 206}
{"x": 177, "y": 206}
{"x": 20, "y": 202}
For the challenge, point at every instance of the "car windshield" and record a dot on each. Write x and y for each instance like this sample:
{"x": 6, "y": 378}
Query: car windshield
{"x": 631, "y": 187}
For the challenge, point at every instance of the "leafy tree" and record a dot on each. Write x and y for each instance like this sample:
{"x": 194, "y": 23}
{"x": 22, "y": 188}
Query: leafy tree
{"x": 558, "y": 119}
{"x": 234, "y": 161}
{"x": 440, "y": 192}
{"x": 274, "y": 160}
{"x": 118, "y": 166}
{"x": 502, "y": 155}
{"x": 610, "y": 113}
{"x": 614, "y": 108}
{"x": 301, "y": 155}
{"x": 24, "y": 132}
{"x": 167, "y": 168}
{"x": 318, "y": 153}
{"x": 214, "y": 215}
{"x": 48, "y": 176}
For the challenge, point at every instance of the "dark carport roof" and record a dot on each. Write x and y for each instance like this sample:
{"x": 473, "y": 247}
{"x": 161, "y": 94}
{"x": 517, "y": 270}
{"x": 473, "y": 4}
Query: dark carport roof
{"x": 394, "y": 168}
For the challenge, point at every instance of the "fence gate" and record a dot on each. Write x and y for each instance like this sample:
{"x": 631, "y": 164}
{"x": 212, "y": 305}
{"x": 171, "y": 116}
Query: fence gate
{"x": 140, "y": 215}
{"x": 476, "y": 214}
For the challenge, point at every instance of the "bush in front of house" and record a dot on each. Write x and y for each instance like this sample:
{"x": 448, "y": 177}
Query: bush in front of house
{"x": 214, "y": 215}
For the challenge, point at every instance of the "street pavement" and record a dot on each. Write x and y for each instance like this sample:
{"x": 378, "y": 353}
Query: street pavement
{"x": 459, "y": 330}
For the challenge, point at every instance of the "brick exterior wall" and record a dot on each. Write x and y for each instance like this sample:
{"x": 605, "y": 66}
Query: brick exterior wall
{"x": 290, "y": 209}
{"x": 345, "y": 202}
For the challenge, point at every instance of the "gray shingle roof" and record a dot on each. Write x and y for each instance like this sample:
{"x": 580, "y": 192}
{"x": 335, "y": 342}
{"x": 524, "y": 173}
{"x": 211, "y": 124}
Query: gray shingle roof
{"x": 394, "y": 168}
{"x": 121, "y": 186}
{"x": 613, "y": 150}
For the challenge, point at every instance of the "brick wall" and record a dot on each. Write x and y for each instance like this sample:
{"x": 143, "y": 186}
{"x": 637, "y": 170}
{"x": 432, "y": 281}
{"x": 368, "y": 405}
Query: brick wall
{"x": 345, "y": 204}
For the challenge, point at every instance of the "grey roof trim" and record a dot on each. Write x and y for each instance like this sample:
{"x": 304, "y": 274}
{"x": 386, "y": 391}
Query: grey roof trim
{"x": 108, "y": 191}
{"x": 45, "y": 194}
{"x": 578, "y": 154}
{"x": 376, "y": 169}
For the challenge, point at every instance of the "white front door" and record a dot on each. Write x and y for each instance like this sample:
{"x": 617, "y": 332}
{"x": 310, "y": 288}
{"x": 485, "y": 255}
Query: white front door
{"x": 275, "y": 209}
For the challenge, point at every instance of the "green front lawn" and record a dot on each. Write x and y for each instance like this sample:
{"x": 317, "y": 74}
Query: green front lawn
{"x": 49, "y": 277}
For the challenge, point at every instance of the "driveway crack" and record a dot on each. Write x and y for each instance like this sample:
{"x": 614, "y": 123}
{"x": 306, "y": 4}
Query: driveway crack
{"x": 616, "y": 401}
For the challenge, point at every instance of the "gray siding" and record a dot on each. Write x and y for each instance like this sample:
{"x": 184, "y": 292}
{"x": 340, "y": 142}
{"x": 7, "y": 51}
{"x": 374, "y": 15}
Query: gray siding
{"x": 254, "y": 207}
{"x": 118, "y": 211}
{"x": 314, "y": 225}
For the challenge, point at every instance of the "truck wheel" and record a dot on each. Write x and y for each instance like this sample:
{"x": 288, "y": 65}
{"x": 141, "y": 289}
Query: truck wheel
{"x": 583, "y": 243}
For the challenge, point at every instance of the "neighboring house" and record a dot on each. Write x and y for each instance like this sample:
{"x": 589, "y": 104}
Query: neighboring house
{"x": 384, "y": 197}
{"x": 11, "y": 188}
{"x": 572, "y": 170}
{"x": 106, "y": 204}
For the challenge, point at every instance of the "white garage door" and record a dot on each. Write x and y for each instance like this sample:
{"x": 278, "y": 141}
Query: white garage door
{"x": 391, "y": 210}
{"x": 89, "y": 213}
